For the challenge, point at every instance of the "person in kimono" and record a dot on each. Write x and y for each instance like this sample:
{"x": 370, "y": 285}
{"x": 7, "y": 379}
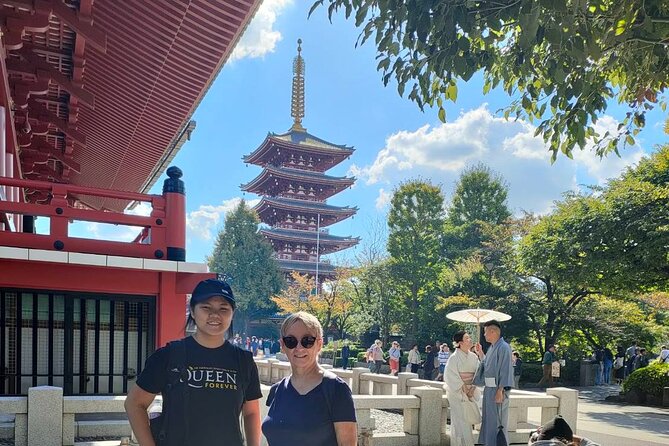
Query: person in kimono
{"x": 459, "y": 377}
{"x": 496, "y": 374}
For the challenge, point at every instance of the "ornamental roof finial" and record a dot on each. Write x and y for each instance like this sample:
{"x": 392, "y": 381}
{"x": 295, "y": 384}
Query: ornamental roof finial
{"x": 297, "y": 101}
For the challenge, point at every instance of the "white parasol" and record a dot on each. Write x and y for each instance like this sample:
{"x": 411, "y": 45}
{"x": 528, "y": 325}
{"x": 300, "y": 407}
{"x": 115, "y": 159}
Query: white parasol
{"x": 477, "y": 316}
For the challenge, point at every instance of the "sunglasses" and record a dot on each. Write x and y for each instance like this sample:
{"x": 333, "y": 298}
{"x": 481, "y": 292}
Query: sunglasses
{"x": 291, "y": 341}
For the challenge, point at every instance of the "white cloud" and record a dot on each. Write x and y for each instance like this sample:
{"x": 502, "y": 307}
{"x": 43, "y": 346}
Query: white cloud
{"x": 202, "y": 222}
{"x": 260, "y": 37}
{"x": 508, "y": 147}
{"x": 383, "y": 199}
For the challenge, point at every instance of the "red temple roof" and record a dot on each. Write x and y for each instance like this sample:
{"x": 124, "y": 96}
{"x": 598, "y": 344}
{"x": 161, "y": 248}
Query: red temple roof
{"x": 327, "y": 185}
{"x": 106, "y": 90}
{"x": 276, "y": 147}
{"x": 328, "y": 243}
{"x": 329, "y": 213}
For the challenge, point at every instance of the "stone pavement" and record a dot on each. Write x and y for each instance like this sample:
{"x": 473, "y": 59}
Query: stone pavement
{"x": 618, "y": 424}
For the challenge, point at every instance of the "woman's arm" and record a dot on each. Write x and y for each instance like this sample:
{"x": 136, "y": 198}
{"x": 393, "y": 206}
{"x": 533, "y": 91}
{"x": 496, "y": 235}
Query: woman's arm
{"x": 251, "y": 414}
{"x": 136, "y": 404}
{"x": 347, "y": 433}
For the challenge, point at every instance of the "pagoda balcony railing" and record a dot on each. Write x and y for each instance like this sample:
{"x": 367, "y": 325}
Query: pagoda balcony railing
{"x": 161, "y": 235}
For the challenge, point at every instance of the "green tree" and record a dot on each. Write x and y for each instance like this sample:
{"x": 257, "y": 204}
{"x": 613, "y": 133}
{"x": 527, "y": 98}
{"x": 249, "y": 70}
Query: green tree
{"x": 479, "y": 204}
{"x": 562, "y": 59}
{"x": 480, "y": 195}
{"x": 243, "y": 254}
{"x": 611, "y": 242}
{"x": 415, "y": 221}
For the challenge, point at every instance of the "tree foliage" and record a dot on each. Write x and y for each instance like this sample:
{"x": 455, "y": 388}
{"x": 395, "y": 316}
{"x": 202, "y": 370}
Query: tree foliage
{"x": 562, "y": 59}
{"x": 480, "y": 195}
{"x": 415, "y": 221}
{"x": 299, "y": 295}
{"x": 243, "y": 254}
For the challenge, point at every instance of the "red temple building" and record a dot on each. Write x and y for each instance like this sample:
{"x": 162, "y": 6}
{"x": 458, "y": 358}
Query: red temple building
{"x": 96, "y": 99}
{"x": 294, "y": 190}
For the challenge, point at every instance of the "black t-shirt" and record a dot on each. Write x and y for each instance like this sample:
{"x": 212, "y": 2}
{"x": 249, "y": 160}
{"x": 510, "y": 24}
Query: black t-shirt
{"x": 217, "y": 390}
{"x": 306, "y": 420}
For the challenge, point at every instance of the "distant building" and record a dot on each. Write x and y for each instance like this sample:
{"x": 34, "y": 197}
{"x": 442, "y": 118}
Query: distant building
{"x": 294, "y": 190}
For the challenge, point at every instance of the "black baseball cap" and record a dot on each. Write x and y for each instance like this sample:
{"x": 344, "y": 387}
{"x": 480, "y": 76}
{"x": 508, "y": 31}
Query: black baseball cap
{"x": 210, "y": 288}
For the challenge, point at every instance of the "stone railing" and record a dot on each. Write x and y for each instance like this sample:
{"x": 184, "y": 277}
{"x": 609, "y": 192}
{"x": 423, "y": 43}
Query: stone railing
{"x": 425, "y": 400}
{"x": 47, "y": 418}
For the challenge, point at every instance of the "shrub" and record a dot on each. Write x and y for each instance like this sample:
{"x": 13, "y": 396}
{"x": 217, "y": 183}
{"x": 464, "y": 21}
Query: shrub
{"x": 531, "y": 373}
{"x": 650, "y": 380}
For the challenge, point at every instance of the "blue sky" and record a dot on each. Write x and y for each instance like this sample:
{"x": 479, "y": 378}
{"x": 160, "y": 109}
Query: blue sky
{"x": 346, "y": 103}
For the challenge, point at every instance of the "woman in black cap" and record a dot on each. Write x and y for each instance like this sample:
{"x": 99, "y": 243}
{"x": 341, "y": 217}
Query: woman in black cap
{"x": 206, "y": 382}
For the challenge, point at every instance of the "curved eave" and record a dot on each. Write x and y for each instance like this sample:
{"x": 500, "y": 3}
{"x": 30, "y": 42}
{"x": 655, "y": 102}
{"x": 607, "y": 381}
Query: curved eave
{"x": 303, "y": 206}
{"x": 308, "y": 236}
{"x": 295, "y": 174}
{"x": 256, "y": 157}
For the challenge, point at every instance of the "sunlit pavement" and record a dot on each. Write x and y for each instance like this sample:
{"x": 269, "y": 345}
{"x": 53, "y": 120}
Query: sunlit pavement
{"x": 617, "y": 424}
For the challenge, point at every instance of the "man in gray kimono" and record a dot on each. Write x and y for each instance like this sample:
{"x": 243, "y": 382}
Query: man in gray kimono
{"x": 496, "y": 374}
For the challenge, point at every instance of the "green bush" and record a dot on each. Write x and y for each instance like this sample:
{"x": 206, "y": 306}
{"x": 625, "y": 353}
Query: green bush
{"x": 650, "y": 380}
{"x": 531, "y": 373}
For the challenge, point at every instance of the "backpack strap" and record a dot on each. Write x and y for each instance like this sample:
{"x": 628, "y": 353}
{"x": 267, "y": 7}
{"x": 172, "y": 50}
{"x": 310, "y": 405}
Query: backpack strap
{"x": 328, "y": 389}
{"x": 176, "y": 372}
{"x": 243, "y": 370}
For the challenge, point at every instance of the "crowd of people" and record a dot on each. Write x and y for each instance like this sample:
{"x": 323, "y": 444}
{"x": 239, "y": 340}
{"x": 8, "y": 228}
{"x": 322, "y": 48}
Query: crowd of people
{"x": 623, "y": 363}
{"x": 257, "y": 346}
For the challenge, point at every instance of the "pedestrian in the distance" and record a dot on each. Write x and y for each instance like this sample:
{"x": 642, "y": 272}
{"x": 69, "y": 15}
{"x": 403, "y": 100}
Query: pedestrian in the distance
{"x": 547, "y": 364}
{"x": 394, "y": 354}
{"x": 345, "y": 354}
{"x": 414, "y": 358}
{"x": 517, "y": 369}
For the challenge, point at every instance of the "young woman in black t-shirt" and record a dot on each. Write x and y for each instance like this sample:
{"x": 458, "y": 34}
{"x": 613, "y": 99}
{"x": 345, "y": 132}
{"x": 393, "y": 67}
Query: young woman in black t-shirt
{"x": 218, "y": 383}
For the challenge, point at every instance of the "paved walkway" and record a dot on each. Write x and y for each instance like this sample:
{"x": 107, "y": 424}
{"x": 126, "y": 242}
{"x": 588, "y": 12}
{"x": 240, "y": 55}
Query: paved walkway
{"x": 618, "y": 424}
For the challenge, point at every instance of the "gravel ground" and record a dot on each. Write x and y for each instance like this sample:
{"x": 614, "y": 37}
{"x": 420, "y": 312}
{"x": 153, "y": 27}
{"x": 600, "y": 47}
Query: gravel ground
{"x": 387, "y": 422}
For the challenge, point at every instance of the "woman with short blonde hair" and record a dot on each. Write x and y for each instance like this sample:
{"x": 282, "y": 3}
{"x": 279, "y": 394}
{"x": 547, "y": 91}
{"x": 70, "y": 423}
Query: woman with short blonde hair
{"x": 312, "y": 405}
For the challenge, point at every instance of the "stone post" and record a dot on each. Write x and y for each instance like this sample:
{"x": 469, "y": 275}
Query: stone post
{"x": 665, "y": 397}
{"x": 270, "y": 363}
{"x": 355, "y": 380}
{"x": 429, "y": 415}
{"x": 21, "y": 429}
{"x": 45, "y": 416}
{"x": 402, "y": 379}
{"x": 568, "y": 404}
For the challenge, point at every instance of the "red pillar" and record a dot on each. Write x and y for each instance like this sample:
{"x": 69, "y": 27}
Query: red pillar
{"x": 174, "y": 192}
{"x": 170, "y": 310}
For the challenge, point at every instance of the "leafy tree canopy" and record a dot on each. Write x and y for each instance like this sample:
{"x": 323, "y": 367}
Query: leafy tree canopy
{"x": 563, "y": 59}
{"x": 242, "y": 253}
{"x": 480, "y": 195}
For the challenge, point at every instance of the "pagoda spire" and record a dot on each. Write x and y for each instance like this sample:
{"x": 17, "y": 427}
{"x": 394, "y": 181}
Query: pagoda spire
{"x": 297, "y": 100}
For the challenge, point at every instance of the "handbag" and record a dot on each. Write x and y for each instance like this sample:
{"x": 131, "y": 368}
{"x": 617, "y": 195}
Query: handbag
{"x": 471, "y": 411}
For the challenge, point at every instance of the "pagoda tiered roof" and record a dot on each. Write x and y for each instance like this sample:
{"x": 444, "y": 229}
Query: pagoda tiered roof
{"x": 327, "y": 185}
{"x": 328, "y": 243}
{"x": 276, "y": 147}
{"x": 305, "y": 267}
{"x": 328, "y": 214}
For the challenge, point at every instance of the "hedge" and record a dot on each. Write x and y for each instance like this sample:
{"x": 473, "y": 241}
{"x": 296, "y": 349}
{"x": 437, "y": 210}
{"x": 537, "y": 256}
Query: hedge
{"x": 649, "y": 380}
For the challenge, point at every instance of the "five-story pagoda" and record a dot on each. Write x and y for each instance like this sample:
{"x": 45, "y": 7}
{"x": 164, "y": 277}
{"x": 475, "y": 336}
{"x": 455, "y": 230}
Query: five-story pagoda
{"x": 294, "y": 190}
